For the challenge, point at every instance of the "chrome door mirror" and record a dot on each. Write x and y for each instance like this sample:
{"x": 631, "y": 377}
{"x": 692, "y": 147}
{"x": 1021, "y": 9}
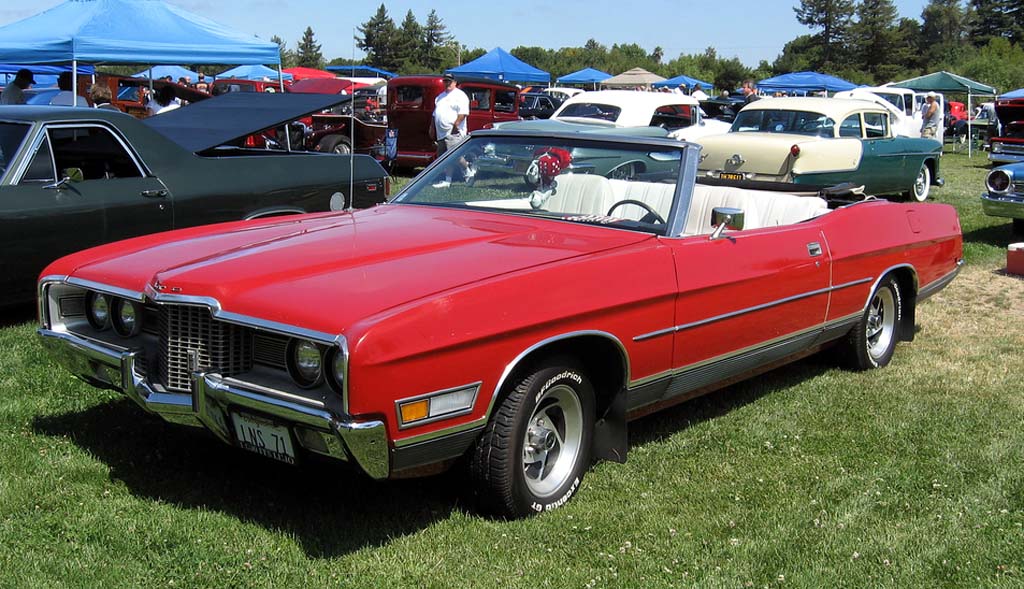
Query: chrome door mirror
{"x": 723, "y": 218}
{"x": 71, "y": 175}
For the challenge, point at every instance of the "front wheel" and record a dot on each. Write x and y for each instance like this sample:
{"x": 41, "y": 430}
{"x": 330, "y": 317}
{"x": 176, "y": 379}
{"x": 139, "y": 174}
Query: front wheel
{"x": 872, "y": 342}
{"x": 922, "y": 184}
{"x": 534, "y": 452}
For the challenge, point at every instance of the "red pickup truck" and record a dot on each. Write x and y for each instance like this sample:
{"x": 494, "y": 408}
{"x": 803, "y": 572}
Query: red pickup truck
{"x": 411, "y": 110}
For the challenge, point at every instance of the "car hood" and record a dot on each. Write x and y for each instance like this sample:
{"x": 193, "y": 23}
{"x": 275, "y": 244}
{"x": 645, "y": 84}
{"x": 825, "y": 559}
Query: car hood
{"x": 327, "y": 272}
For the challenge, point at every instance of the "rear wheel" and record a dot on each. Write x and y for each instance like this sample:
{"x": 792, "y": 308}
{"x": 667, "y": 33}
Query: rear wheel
{"x": 534, "y": 452}
{"x": 334, "y": 144}
{"x": 872, "y": 342}
{"x": 922, "y": 184}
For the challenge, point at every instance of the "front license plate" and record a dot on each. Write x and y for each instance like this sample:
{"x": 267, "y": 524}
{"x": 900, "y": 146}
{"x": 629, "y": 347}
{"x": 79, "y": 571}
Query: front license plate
{"x": 262, "y": 437}
{"x": 730, "y": 176}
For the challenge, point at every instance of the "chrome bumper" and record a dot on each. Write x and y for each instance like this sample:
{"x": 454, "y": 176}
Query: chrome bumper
{"x": 315, "y": 427}
{"x": 1002, "y": 206}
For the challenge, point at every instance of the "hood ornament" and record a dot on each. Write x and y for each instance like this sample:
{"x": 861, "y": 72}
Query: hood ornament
{"x": 736, "y": 160}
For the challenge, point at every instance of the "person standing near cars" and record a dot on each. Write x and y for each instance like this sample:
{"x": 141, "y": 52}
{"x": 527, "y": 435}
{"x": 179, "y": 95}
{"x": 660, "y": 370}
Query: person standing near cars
{"x": 13, "y": 93}
{"x": 451, "y": 108}
{"x": 931, "y": 116}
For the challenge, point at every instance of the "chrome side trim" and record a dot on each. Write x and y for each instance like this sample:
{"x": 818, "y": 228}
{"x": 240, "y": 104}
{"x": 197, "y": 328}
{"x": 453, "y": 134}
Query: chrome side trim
{"x": 398, "y": 405}
{"x": 768, "y": 305}
{"x": 516, "y": 361}
{"x": 687, "y": 180}
{"x": 111, "y": 290}
{"x": 796, "y": 334}
{"x": 455, "y": 429}
{"x": 939, "y": 283}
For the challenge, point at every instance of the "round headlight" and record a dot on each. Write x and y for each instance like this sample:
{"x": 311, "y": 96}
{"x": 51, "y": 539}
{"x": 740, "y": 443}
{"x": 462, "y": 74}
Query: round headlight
{"x": 336, "y": 378}
{"x": 998, "y": 181}
{"x": 97, "y": 310}
{"x": 305, "y": 363}
{"x": 126, "y": 318}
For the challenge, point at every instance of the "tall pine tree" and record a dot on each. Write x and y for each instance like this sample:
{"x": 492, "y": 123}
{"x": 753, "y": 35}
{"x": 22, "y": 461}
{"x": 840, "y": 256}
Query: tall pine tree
{"x": 308, "y": 52}
{"x": 408, "y": 40}
{"x": 833, "y": 18}
{"x": 875, "y": 37}
{"x": 377, "y": 40}
{"x": 436, "y": 51}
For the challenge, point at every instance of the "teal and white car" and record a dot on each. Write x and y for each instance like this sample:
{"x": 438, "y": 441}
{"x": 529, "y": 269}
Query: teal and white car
{"x": 821, "y": 142}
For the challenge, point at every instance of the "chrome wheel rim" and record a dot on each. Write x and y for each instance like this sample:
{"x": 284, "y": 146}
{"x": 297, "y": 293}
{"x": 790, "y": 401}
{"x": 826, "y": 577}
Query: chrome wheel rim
{"x": 553, "y": 440}
{"x": 921, "y": 185}
{"x": 881, "y": 324}
{"x": 342, "y": 149}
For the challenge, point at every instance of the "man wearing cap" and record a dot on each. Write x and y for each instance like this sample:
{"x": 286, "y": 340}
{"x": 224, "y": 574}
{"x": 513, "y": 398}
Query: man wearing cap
{"x": 13, "y": 92}
{"x": 931, "y": 116}
{"x": 451, "y": 108}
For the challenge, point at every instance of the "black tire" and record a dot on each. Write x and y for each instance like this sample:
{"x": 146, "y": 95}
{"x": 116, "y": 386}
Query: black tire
{"x": 334, "y": 144}
{"x": 553, "y": 407}
{"x": 872, "y": 342}
{"x": 922, "y": 185}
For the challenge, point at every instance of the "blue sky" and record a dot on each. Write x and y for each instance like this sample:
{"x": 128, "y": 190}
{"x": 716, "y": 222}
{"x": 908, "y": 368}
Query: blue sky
{"x": 749, "y": 29}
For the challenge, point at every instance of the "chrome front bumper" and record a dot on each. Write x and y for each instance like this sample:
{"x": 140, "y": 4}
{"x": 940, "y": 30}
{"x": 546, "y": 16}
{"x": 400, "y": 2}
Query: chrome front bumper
{"x": 1011, "y": 206}
{"x": 214, "y": 396}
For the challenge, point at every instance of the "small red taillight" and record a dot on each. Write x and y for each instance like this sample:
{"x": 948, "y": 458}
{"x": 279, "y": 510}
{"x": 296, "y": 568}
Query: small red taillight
{"x": 794, "y": 151}
{"x": 371, "y": 188}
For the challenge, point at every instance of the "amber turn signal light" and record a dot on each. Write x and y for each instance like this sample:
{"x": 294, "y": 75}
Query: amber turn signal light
{"x": 415, "y": 410}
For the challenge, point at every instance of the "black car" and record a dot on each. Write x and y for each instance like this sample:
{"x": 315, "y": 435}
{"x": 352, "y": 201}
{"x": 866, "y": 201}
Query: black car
{"x": 538, "y": 105}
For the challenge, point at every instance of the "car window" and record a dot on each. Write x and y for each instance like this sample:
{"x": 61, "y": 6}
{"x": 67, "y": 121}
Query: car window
{"x": 11, "y": 137}
{"x": 850, "y": 126}
{"x": 672, "y": 117}
{"x": 92, "y": 149}
{"x": 796, "y": 122}
{"x": 619, "y": 185}
{"x": 591, "y": 110}
{"x": 41, "y": 168}
{"x": 409, "y": 95}
{"x": 479, "y": 98}
{"x": 876, "y": 124}
{"x": 505, "y": 101}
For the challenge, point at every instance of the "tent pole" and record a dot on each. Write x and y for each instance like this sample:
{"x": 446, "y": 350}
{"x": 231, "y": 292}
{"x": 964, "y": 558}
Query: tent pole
{"x": 74, "y": 82}
{"x": 287, "y": 126}
{"x": 970, "y": 134}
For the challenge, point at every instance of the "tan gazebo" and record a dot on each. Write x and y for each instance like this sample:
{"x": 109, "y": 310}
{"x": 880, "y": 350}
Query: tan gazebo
{"x": 637, "y": 76}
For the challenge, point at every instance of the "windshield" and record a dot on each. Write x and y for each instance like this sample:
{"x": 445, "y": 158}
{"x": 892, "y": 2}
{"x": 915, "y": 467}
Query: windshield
{"x": 626, "y": 186}
{"x": 11, "y": 136}
{"x": 591, "y": 110}
{"x": 797, "y": 122}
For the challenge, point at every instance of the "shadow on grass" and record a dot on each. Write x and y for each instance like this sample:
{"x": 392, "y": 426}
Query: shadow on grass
{"x": 328, "y": 507}
{"x": 17, "y": 314}
{"x": 994, "y": 235}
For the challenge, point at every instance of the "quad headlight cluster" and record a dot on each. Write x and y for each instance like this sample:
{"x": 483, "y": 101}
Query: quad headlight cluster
{"x": 310, "y": 363}
{"x": 106, "y": 311}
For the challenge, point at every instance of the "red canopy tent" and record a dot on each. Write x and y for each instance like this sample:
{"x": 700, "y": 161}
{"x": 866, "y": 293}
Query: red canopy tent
{"x": 302, "y": 73}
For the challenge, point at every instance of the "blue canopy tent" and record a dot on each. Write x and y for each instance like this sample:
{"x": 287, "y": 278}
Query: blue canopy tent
{"x": 253, "y": 72}
{"x": 1019, "y": 93}
{"x": 360, "y": 70}
{"x": 804, "y": 82}
{"x": 127, "y": 31}
{"x": 498, "y": 64}
{"x": 584, "y": 76}
{"x": 681, "y": 79}
{"x": 162, "y": 71}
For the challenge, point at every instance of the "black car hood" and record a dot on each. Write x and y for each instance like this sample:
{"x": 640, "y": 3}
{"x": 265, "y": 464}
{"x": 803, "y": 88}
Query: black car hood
{"x": 217, "y": 121}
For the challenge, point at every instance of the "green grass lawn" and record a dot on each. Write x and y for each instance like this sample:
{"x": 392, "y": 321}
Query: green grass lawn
{"x": 809, "y": 476}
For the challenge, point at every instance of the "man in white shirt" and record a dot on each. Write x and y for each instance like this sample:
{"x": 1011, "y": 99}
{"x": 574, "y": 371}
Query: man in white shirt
{"x": 451, "y": 108}
{"x": 698, "y": 94}
{"x": 13, "y": 92}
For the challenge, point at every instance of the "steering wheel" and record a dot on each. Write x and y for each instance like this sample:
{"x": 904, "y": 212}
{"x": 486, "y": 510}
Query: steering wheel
{"x": 652, "y": 215}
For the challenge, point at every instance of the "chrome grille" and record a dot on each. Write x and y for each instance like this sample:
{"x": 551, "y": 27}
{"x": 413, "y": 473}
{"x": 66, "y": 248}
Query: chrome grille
{"x": 187, "y": 331}
{"x": 271, "y": 350}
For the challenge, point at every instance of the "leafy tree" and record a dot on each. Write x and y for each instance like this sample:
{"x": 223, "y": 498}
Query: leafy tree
{"x": 996, "y": 19}
{"x": 377, "y": 40}
{"x": 408, "y": 41}
{"x": 833, "y": 18}
{"x": 999, "y": 64}
{"x": 436, "y": 51}
{"x": 287, "y": 55}
{"x": 875, "y": 36}
{"x": 657, "y": 55}
{"x": 308, "y": 53}
{"x": 801, "y": 54}
{"x": 943, "y": 32}
{"x": 730, "y": 74}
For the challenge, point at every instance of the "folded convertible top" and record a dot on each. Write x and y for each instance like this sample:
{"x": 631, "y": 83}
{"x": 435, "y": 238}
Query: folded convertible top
{"x": 222, "y": 119}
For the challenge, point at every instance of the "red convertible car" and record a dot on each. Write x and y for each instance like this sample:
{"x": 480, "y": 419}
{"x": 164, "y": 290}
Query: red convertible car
{"x": 518, "y": 327}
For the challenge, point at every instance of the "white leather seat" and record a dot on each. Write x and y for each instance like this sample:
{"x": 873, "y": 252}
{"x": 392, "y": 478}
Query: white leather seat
{"x": 657, "y": 195}
{"x": 761, "y": 208}
{"x": 580, "y": 194}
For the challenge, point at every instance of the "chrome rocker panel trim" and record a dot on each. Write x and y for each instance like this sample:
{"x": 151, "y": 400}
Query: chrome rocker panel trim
{"x": 111, "y": 367}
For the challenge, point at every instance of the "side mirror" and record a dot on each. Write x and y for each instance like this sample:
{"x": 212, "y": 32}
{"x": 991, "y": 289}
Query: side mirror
{"x": 723, "y": 218}
{"x": 71, "y": 175}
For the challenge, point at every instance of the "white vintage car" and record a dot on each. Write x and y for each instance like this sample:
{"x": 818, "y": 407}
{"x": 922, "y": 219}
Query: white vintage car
{"x": 561, "y": 93}
{"x": 820, "y": 142}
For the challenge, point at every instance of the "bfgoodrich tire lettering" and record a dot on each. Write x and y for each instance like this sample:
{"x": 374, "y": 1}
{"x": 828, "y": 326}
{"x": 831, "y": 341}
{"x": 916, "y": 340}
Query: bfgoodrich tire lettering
{"x": 872, "y": 342}
{"x": 534, "y": 452}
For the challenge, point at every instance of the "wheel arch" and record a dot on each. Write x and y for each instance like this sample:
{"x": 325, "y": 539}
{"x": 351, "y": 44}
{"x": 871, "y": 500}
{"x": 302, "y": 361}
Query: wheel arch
{"x": 907, "y": 279}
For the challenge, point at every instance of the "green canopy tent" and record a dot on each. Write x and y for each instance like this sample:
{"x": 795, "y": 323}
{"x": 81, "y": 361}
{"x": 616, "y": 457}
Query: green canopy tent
{"x": 946, "y": 82}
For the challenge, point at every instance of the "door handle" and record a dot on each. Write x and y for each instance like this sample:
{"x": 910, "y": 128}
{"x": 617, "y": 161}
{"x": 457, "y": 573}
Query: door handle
{"x": 814, "y": 249}
{"x": 156, "y": 193}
